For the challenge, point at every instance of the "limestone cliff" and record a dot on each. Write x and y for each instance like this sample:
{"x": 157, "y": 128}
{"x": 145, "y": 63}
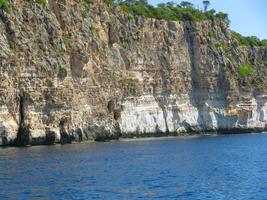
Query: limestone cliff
{"x": 80, "y": 70}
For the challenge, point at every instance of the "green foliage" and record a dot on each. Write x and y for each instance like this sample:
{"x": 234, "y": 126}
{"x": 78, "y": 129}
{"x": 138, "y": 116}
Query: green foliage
{"x": 218, "y": 45}
{"x": 67, "y": 41}
{"x": 92, "y": 29}
{"x": 42, "y": 2}
{"x": 130, "y": 17}
{"x": 185, "y": 4}
{"x": 86, "y": 10}
{"x": 223, "y": 17}
{"x": 184, "y": 11}
{"x": 248, "y": 41}
{"x": 246, "y": 70}
{"x": 5, "y": 5}
{"x": 212, "y": 34}
{"x": 108, "y": 1}
{"x": 206, "y": 5}
{"x": 264, "y": 42}
{"x": 61, "y": 66}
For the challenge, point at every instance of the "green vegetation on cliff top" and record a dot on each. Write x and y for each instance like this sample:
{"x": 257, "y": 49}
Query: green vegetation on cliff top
{"x": 249, "y": 41}
{"x": 185, "y": 11}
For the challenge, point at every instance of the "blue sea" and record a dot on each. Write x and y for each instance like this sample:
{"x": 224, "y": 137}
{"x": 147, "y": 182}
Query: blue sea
{"x": 207, "y": 167}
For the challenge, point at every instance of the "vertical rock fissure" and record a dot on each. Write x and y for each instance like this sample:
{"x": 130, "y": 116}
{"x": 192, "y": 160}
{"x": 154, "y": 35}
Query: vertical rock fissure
{"x": 65, "y": 137}
{"x": 189, "y": 39}
{"x": 55, "y": 7}
{"x": 110, "y": 42}
{"x": 165, "y": 115}
{"x": 199, "y": 93}
{"x": 23, "y": 135}
{"x": 163, "y": 108}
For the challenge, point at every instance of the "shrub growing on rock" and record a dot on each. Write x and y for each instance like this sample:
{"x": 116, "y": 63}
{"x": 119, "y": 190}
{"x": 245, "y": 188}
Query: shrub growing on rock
{"x": 246, "y": 70}
{"x": 5, "y": 5}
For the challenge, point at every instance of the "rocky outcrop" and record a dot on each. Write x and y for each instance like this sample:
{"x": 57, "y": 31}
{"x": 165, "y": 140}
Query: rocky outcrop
{"x": 84, "y": 71}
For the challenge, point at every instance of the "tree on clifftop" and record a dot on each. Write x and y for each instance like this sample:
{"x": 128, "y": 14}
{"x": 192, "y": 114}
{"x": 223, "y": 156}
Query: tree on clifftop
{"x": 206, "y": 4}
{"x": 186, "y": 4}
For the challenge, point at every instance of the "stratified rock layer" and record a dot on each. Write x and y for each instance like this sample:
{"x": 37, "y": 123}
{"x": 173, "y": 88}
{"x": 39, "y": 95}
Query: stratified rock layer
{"x": 84, "y": 71}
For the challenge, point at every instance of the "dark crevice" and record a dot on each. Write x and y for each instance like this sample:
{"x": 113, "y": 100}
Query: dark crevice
{"x": 65, "y": 137}
{"x": 162, "y": 105}
{"x": 198, "y": 95}
{"x": 23, "y": 135}
{"x": 109, "y": 35}
{"x": 56, "y": 7}
{"x": 112, "y": 34}
{"x": 50, "y": 137}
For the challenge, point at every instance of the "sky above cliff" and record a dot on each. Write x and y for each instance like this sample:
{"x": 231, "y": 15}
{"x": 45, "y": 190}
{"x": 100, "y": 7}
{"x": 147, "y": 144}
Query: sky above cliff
{"x": 248, "y": 17}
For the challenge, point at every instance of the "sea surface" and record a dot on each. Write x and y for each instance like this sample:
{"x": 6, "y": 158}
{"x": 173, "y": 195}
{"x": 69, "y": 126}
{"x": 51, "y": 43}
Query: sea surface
{"x": 207, "y": 167}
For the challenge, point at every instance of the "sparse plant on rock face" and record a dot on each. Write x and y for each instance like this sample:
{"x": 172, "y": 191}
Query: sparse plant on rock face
{"x": 86, "y": 10}
{"x": 92, "y": 29}
{"x": 41, "y": 2}
{"x": 218, "y": 45}
{"x": 246, "y": 70}
{"x": 67, "y": 41}
{"x": 61, "y": 66}
{"x": 212, "y": 34}
{"x": 4, "y": 5}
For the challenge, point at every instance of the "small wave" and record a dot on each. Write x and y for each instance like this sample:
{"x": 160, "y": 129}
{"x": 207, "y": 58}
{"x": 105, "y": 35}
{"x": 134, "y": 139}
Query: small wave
{"x": 161, "y": 138}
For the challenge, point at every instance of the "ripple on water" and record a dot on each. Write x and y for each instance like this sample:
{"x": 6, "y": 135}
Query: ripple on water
{"x": 221, "y": 167}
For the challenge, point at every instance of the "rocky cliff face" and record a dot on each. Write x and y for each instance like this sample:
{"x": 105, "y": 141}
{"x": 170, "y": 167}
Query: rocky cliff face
{"x": 80, "y": 70}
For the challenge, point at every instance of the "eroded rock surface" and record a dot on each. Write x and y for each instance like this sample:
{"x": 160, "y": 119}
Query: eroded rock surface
{"x": 90, "y": 72}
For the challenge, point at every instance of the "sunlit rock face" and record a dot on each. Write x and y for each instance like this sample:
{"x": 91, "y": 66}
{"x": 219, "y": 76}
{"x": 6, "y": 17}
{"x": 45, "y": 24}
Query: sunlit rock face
{"x": 71, "y": 72}
{"x": 144, "y": 115}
